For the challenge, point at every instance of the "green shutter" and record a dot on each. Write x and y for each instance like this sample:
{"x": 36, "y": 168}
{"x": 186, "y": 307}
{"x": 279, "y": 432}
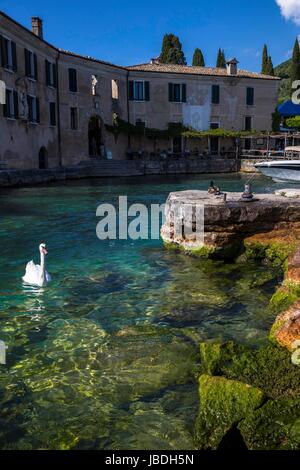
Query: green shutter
{"x": 250, "y": 96}
{"x": 55, "y": 75}
{"x": 35, "y": 67}
{"x": 37, "y": 110}
{"x": 147, "y": 91}
{"x": 27, "y": 63}
{"x": 130, "y": 90}
{"x": 14, "y": 56}
{"x": 184, "y": 93}
{"x": 1, "y": 51}
{"x": 5, "y": 105}
{"x": 47, "y": 68}
{"x": 16, "y": 105}
{"x": 215, "y": 94}
{"x": 171, "y": 92}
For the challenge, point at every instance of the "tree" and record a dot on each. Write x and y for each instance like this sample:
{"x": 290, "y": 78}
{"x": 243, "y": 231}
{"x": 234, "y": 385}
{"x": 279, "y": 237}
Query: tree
{"x": 295, "y": 68}
{"x": 269, "y": 67}
{"x": 265, "y": 60}
{"x": 171, "y": 51}
{"x": 221, "y": 61}
{"x": 198, "y": 59}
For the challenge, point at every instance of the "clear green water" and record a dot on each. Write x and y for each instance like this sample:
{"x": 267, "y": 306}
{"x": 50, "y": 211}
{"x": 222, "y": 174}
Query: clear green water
{"x": 104, "y": 358}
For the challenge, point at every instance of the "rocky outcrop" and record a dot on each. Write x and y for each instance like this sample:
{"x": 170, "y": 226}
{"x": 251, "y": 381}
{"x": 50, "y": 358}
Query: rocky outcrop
{"x": 286, "y": 329}
{"x": 226, "y": 223}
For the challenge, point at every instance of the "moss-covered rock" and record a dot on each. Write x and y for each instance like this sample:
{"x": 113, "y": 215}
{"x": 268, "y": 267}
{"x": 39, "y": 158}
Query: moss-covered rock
{"x": 274, "y": 426}
{"x": 284, "y": 297}
{"x": 202, "y": 252}
{"x": 214, "y": 356}
{"x": 223, "y": 404}
{"x": 274, "y": 248}
{"x": 269, "y": 368}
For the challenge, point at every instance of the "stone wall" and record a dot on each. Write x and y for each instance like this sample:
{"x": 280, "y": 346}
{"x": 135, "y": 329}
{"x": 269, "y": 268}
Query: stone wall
{"x": 107, "y": 169}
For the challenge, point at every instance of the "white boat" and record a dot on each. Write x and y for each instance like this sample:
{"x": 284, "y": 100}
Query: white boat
{"x": 282, "y": 170}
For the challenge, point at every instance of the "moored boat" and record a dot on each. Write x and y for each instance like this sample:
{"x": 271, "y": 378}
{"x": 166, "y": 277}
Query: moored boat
{"x": 285, "y": 170}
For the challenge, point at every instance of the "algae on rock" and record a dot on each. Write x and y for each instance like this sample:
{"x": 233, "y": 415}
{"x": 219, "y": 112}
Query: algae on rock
{"x": 223, "y": 404}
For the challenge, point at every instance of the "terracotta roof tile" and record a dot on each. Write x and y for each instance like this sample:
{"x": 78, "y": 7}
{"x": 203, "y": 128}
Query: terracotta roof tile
{"x": 184, "y": 69}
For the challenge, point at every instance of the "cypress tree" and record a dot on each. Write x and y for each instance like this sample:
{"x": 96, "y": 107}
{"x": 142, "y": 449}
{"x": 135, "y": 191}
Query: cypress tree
{"x": 265, "y": 60}
{"x": 171, "y": 51}
{"x": 269, "y": 67}
{"x": 198, "y": 59}
{"x": 295, "y": 69}
{"x": 221, "y": 61}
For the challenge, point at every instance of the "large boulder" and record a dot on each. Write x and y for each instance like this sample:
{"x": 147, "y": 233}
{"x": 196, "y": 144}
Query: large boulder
{"x": 223, "y": 404}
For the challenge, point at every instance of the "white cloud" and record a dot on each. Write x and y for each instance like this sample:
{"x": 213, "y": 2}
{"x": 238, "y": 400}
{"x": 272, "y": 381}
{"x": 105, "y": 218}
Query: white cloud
{"x": 290, "y": 9}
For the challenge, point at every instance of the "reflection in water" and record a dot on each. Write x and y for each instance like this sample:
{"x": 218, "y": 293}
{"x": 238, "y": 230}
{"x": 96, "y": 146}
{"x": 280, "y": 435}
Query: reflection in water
{"x": 105, "y": 356}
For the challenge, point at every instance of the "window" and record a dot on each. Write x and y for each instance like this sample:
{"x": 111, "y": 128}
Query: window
{"x": 73, "y": 80}
{"x": 248, "y": 123}
{"x": 33, "y": 109}
{"x": 31, "y": 70}
{"x": 8, "y": 54}
{"x": 52, "y": 111}
{"x": 74, "y": 119}
{"x": 114, "y": 90}
{"x": 139, "y": 91}
{"x": 11, "y": 108}
{"x": 250, "y": 96}
{"x": 215, "y": 94}
{"x": 214, "y": 125}
{"x": 51, "y": 79}
{"x": 177, "y": 92}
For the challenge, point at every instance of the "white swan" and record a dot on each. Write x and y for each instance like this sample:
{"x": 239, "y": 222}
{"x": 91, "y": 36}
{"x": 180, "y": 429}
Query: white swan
{"x": 36, "y": 274}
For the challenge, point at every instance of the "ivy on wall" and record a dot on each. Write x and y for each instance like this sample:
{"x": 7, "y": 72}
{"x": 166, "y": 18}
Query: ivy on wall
{"x": 174, "y": 130}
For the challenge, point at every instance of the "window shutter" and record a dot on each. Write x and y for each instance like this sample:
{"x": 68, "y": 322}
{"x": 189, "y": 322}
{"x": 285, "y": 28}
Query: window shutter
{"x": 215, "y": 94}
{"x": 54, "y": 75}
{"x": 250, "y": 96}
{"x": 37, "y": 110}
{"x": 16, "y": 105}
{"x": 1, "y": 51}
{"x": 27, "y": 63}
{"x": 147, "y": 91}
{"x": 5, "y": 105}
{"x": 130, "y": 90}
{"x": 72, "y": 80}
{"x": 47, "y": 67}
{"x": 52, "y": 114}
{"x": 35, "y": 67}
{"x": 4, "y": 52}
{"x": 14, "y": 56}
{"x": 171, "y": 92}
{"x": 184, "y": 93}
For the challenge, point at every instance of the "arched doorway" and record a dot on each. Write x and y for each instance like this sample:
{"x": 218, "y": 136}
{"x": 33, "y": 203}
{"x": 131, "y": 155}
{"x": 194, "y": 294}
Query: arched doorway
{"x": 95, "y": 136}
{"x": 43, "y": 158}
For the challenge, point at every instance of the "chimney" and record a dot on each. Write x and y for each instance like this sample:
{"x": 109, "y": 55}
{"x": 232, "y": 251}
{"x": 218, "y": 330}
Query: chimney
{"x": 37, "y": 26}
{"x": 232, "y": 68}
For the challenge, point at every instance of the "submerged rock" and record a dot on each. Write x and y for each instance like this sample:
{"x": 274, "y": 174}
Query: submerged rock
{"x": 223, "y": 404}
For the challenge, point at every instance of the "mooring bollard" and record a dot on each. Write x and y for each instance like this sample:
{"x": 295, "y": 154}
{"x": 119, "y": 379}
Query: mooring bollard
{"x": 248, "y": 195}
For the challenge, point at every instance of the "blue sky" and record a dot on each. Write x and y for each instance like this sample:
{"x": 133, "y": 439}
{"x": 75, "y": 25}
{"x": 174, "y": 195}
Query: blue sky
{"x": 129, "y": 32}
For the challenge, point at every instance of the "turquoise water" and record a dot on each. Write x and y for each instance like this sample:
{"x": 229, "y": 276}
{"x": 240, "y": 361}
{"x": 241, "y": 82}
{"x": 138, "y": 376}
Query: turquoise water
{"x": 105, "y": 357}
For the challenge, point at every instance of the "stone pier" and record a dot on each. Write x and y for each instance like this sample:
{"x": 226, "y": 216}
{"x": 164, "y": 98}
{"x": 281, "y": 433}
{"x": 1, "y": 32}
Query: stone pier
{"x": 226, "y": 223}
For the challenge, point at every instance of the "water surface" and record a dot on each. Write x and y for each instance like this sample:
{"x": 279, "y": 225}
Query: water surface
{"x": 105, "y": 356}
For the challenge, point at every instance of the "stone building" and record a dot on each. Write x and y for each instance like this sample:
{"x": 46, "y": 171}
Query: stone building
{"x": 60, "y": 107}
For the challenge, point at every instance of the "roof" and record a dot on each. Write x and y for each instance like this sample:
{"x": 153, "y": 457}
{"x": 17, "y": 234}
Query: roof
{"x": 185, "y": 69}
{"x": 288, "y": 108}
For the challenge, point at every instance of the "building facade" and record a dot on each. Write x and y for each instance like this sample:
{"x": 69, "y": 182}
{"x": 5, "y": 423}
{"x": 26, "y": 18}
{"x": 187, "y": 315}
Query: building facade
{"x": 60, "y": 107}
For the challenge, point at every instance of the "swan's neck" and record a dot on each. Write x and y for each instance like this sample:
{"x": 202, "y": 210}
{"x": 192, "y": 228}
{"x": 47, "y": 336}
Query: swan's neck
{"x": 43, "y": 264}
